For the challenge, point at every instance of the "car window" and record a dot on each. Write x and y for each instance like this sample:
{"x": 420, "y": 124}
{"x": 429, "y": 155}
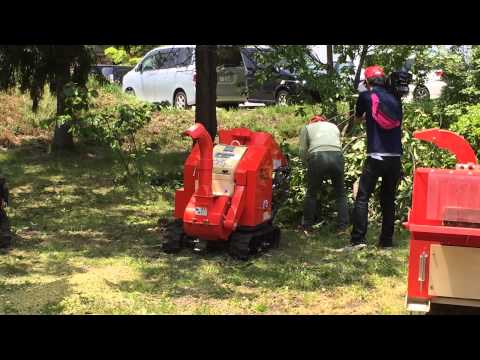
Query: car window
{"x": 149, "y": 63}
{"x": 162, "y": 60}
{"x": 176, "y": 57}
{"x": 249, "y": 59}
{"x": 259, "y": 59}
{"x": 229, "y": 57}
{"x": 171, "y": 58}
{"x": 184, "y": 57}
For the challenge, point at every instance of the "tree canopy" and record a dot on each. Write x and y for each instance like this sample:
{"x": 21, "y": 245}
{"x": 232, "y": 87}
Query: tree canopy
{"x": 33, "y": 67}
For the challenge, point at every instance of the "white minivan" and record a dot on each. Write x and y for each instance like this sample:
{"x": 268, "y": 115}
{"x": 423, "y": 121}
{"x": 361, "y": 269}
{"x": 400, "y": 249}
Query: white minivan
{"x": 165, "y": 74}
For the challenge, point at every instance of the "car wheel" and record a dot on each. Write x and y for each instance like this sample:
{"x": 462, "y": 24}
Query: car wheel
{"x": 421, "y": 93}
{"x": 180, "y": 100}
{"x": 282, "y": 98}
{"x": 230, "y": 106}
{"x": 130, "y": 92}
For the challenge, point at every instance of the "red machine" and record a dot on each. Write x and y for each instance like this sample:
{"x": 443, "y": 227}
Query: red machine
{"x": 227, "y": 192}
{"x": 444, "y": 222}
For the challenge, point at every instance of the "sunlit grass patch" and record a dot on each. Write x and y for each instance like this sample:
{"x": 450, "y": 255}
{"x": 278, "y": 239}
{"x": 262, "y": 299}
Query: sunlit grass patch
{"x": 87, "y": 245}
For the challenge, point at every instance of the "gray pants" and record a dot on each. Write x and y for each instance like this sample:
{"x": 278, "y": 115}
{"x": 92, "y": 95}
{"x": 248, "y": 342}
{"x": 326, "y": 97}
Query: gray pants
{"x": 324, "y": 165}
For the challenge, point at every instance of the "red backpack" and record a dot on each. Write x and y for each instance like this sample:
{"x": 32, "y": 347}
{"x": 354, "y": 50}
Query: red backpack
{"x": 382, "y": 112}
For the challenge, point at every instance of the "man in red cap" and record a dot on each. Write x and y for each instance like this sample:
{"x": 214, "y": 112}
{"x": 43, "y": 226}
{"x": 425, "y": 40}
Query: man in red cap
{"x": 382, "y": 112}
{"x": 321, "y": 151}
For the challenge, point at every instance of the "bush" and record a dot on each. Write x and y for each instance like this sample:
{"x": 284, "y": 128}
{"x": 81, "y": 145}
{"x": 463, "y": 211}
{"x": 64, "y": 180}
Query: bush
{"x": 117, "y": 127}
{"x": 114, "y": 123}
{"x": 468, "y": 125}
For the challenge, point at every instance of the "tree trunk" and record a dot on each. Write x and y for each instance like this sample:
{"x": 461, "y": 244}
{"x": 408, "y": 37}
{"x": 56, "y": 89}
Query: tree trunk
{"x": 333, "y": 111}
{"x": 62, "y": 138}
{"x": 356, "y": 82}
{"x": 330, "y": 58}
{"x": 363, "y": 54}
{"x": 206, "y": 87}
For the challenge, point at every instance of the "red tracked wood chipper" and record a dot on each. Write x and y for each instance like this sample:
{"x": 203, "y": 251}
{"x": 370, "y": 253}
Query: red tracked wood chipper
{"x": 230, "y": 193}
{"x": 444, "y": 222}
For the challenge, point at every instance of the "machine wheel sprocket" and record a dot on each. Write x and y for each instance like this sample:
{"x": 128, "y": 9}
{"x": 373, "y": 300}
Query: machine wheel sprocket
{"x": 240, "y": 246}
{"x": 245, "y": 243}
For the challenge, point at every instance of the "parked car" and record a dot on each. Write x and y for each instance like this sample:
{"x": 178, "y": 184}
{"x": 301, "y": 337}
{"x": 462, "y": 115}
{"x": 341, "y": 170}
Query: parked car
{"x": 167, "y": 74}
{"x": 280, "y": 87}
{"x": 427, "y": 85}
{"x": 112, "y": 73}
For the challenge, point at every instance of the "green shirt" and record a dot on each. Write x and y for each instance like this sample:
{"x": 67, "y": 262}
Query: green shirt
{"x": 319, "y": 136}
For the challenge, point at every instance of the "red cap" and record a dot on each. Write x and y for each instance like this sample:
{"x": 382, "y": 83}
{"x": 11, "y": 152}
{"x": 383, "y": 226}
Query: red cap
{"x": 317, "y": 118}
{"x": 374, "y": 71}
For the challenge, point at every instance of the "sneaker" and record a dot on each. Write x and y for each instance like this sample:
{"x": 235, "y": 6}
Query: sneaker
{"x": 353, "y": 247}
{"x": 385, "y": 246}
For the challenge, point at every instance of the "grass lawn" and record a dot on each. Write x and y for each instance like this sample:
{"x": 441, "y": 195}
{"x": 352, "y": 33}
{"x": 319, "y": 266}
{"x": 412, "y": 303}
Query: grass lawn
{"x": 85, "y": 246}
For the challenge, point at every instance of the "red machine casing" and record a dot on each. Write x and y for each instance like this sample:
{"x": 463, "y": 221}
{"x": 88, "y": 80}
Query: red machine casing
{"x": 258, "y": 138}
{"x": 445, "y": 211}
{"x": 251, "y": 203}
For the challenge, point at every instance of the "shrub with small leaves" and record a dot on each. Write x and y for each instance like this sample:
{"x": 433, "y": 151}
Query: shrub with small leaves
{"x": 117, "y": 126}
{"x": 468, "y": 125}
{"x": 417, "y": 153}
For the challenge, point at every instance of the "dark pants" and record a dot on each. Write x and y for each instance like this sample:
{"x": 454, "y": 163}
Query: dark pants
{"x": 5, "y": 234}
{"x": 324, "y": 165}
{"x": 389, "y": 170}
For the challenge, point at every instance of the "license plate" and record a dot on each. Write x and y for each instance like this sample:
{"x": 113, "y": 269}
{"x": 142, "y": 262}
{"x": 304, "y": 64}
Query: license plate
{"x": 201, "y": 211}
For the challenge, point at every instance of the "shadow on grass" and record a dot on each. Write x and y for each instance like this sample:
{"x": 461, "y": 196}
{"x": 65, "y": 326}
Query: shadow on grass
{"x": 299, "y": 264}
{"x": 182, "y": 275}
{"x": 16, "y": 263}
{"x": 44, "y": 298}
{"x": 72, "y": 203}
{"x": 67, "y": 206}
{"x": 33, "y": 291}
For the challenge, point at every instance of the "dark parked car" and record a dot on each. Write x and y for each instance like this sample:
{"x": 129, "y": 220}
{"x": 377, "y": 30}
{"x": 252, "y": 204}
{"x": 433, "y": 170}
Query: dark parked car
{"x": 112, "y": 73}
{"x": 237, "y": 81}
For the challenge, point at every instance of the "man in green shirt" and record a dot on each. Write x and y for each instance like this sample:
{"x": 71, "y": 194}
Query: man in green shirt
{"x": 321, "y": 152}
